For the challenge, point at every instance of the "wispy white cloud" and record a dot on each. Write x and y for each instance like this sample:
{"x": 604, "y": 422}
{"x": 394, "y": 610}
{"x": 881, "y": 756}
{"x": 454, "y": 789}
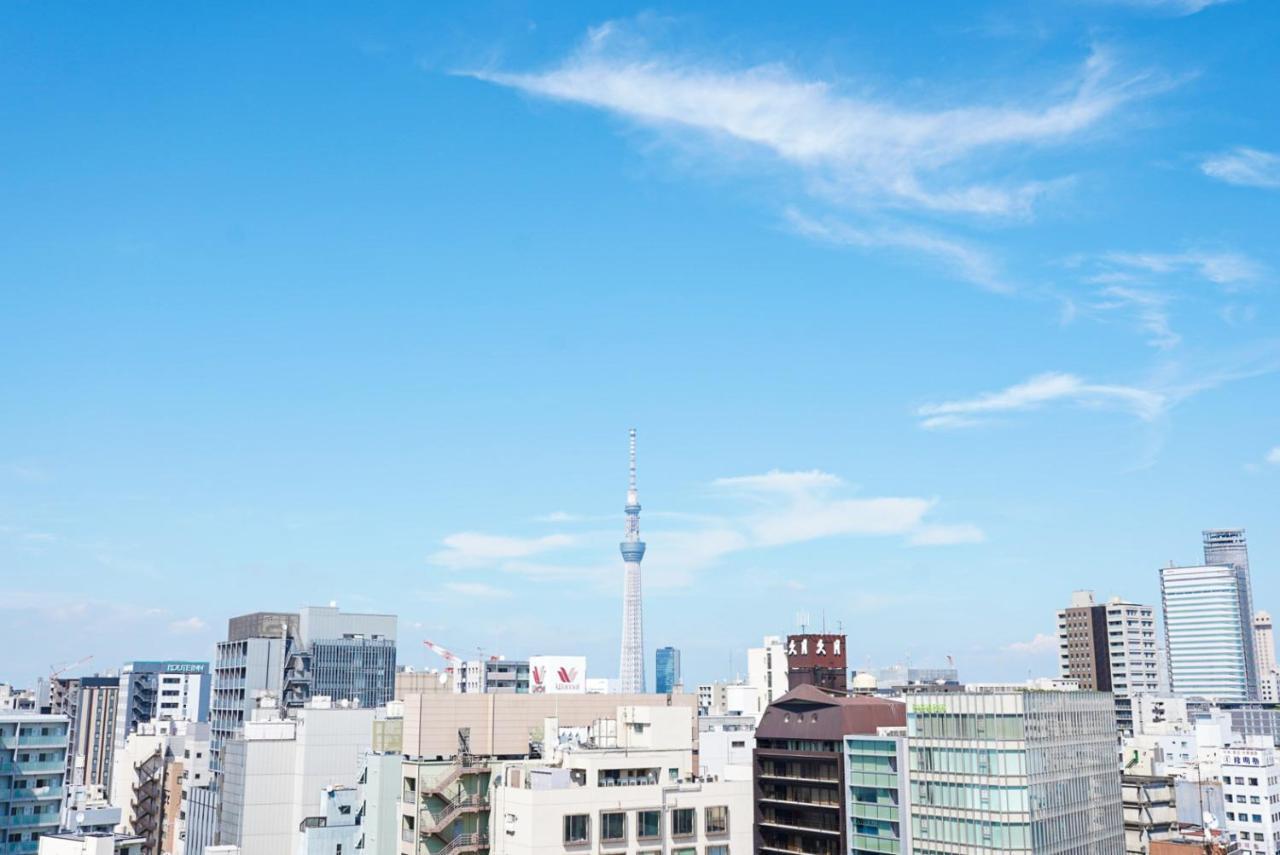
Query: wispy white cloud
{"x": 782, "y": 508}
{"x": 1220, "y": 268}
{"x": 777, "y": 481}
{"x": 1146, "y": 404}
{"x": 1150, "y": 308}
{"x": 957, "y": 258}
{"x": 1040, "y": 643}
{"x": 188, "y": 626}
{"x": 1273, "y": 456}
{"x": 1168, "y": 7}
{"x": 853, "y": 147}
{"x": 477, "y": 590}
{"x": 1248, "y": 167}
{"x": 947, "y": 535}
{"x": 559, "y": 517}
{"x": 1146, "y": 286}
{"x": 470, "y": 549}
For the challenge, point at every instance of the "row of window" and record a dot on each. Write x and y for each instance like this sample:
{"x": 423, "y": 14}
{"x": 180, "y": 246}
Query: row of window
{"x": 648, "y": 824}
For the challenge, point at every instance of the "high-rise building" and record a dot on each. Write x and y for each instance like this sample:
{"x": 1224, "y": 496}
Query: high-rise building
{"x": 1264, "y": 650}
{"x": 631, "y": 667}
{"x": 249, "y": 664}
{"x": 800, "y": 765}
{"x": 767, "y": 670}
{"x": 159, "y": 691}
{"x": 666, "y": 670}
{"x": 1109, "y": 647}
{"x": 1013, "y": 772}
{"x": 33, "y": 763}
{"x": 1208, "y": 638}
{"x": 1227, "y": 547}
{"x": 318, "y": 652}
{"x": 93, "y": 731}
{"x": 347, "y": 656}
{"x": 1082, "y": 643}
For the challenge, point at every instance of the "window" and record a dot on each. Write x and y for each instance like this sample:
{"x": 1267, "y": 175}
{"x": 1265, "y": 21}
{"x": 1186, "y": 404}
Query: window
{"x": 577, "y": 828}
{"x": 717, "y": 819}
{"x": 613, "y": 826}
{"x": 692, "y": 850}
{"x": 682, "y": 822}
{"x": 648, "y": 824}
{"x": 717, "y": 850}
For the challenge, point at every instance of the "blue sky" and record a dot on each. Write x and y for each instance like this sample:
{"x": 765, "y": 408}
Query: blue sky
{"x": 925, "y": 317}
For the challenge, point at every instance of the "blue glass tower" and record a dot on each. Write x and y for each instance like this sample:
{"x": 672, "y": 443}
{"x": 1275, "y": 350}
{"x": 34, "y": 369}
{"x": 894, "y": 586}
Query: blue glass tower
{"x": 666, "y": 669}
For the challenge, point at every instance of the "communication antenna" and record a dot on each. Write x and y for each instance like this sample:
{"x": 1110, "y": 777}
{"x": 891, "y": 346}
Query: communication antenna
{"x": 802, "y": 620}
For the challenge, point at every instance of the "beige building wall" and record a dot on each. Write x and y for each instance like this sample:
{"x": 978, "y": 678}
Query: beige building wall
{"x": 503, "y": 724}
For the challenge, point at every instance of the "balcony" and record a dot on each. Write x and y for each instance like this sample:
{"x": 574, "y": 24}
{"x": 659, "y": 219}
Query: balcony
{"x": 32, "y": 767}
{"x": 782, "y": 800}
{"x": 802, "y": 829}
{"x": 33, "y": 740}
{"x": 783, "y": 776}
{"x": 31, "y": 794}
{"x": 26, "y": 820}
{"x": 26, "y": 847}
{"x": 788, "y": 850}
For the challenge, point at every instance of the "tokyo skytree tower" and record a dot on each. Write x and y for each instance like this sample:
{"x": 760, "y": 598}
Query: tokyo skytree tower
{"x": 631, "y": 669}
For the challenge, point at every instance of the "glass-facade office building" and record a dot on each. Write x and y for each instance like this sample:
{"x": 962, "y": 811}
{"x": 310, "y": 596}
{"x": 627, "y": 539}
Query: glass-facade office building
{"x": 1003, "y": 772}
{"x": 1208, "y": 631}
{"x": 666, "y": 670}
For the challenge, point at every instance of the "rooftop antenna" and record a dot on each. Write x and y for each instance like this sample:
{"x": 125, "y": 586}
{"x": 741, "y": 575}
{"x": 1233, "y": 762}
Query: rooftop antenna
{"x": 802, "y": 620}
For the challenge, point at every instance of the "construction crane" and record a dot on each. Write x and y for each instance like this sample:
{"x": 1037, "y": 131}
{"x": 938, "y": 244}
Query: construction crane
{"x": 55, "y": 671}
{"x": 452, "y": 660}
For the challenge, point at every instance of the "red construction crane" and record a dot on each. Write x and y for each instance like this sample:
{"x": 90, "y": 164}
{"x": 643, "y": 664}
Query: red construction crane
{"x": 444, "y": 653}
{"x": 55, "y": 671}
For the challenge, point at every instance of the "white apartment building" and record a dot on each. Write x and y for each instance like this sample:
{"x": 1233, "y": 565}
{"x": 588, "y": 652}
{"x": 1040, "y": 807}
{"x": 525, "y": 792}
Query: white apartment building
{"x": 725, "y": 741}
{"x": 630, "y": 788}
{"x": 767, "y": 671}
{"x": 1131, "y": 646}
{"x": 1250, "y": 775}
{"x": 1264, "y": 646}
{"x": 721, "y": 699}
{"x": 153, "y": 767}
{"x": 99, "y": 843}
{"x": 276, "y": 769}
{"x": 334, "y": 828}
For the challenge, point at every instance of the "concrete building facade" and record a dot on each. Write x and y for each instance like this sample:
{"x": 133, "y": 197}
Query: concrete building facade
{"x": 274, "y": 771}
{"x": 1264, "y": 647}
{"x": 33, "y": 765}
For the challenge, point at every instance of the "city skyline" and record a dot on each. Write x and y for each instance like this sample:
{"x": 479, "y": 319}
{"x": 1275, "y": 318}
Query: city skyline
{"x": 915, "y": 316}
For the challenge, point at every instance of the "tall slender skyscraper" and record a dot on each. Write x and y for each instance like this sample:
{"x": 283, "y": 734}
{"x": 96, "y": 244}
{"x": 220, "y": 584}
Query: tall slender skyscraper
{"x": 631, "y": 668}
{"x": 1227, "y": 547}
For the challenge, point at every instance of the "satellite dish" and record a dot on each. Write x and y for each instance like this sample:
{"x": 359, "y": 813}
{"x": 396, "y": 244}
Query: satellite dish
{"x": 1210, "y": 821}
{"x": 80, "y": 818}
